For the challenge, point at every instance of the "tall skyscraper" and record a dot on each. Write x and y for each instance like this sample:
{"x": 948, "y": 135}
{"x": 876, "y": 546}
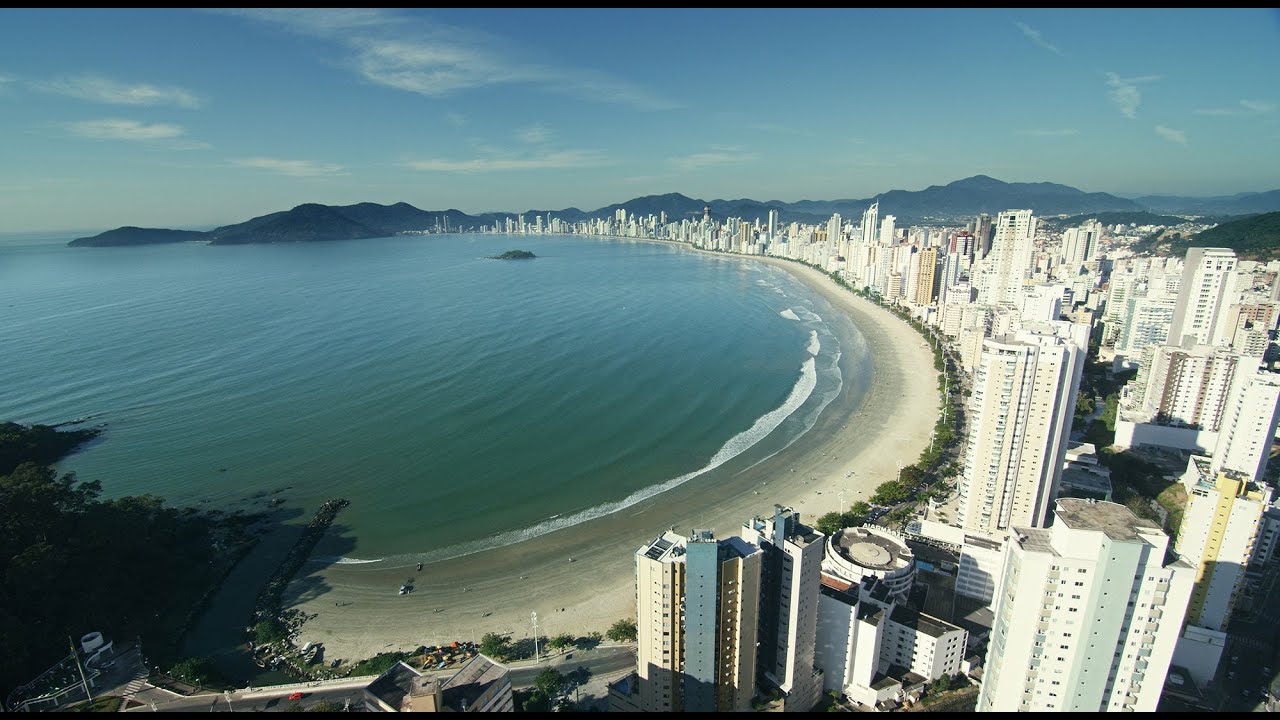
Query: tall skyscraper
{"x": 870, "y": 223}
{"x": 1007, "y": 264}
{"x": 1080, "y": 245}
{"x": 926, "y": 279}
{"x": 1020, "y": 412}
{"x": 1248, "y": 425}
{"x": 1190, "y": 386}
{"x": 983, "y": 231}
{"x": 1206, "y": 292}
{"x": 696, "y": 621}
{"x": 887, "y": 230}
{"x": 791, "y": 572}
{"x": 1087, "y": 614}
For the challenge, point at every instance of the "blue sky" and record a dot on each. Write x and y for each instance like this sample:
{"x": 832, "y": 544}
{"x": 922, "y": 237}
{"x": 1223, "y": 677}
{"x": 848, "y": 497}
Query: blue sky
{"x": 178, "y": 118}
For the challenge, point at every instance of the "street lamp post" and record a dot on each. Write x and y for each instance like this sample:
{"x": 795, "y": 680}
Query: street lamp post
{"x": 537, "y": 657}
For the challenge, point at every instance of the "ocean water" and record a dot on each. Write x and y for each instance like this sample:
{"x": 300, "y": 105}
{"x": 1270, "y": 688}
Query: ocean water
{"x": 459, "y": 403}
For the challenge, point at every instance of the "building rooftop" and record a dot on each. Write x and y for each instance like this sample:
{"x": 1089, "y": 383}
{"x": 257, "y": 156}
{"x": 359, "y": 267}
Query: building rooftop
{"x": 667, "y": 547}
{"x": 980, "y": 541}
{"x": 1034, "y": 539}
{"x": 872, "y": 548}
{"x": 1117, "y": 521}
{"x": 927, "y": 624}
{"x": 393, "y": 685}
{"x": 473, "y": 680}
{"x": 1082, "y": 477}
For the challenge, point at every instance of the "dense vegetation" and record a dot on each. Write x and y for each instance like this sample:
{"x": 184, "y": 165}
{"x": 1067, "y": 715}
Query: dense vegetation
{"x": 138, "y": 236}
{"x": 41, "y": 444}
{"x": 71, "y": 563}
{"x": 1253, "y": 238}
{"x": 1117, "y": 218}
{"x": 514, "y": 255}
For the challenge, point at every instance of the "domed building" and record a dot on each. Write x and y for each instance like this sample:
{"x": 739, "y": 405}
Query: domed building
{"x": 870, "y": 551}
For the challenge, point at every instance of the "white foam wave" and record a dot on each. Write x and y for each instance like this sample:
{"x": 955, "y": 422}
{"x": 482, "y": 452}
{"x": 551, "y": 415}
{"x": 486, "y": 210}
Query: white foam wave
{"x": 790, "y": 314}
{"x": 814, "y": 345}
{"x": 735, "y": 446}
{"x": 344, "y": 560}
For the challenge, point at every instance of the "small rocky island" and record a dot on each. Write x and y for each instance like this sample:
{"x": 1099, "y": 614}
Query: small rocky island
{"x": 514, "y": 255}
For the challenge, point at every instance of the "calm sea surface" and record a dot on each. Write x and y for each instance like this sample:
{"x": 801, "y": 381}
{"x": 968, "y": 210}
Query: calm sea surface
{"x": 458, "y": 402}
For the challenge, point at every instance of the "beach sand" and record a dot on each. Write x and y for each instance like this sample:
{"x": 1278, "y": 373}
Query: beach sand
{"x": 581, "y": 579}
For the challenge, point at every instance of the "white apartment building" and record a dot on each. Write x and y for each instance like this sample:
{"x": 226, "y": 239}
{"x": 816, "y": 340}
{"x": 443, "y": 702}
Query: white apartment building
{"x": 1147, "y": 321}
{"x": 791, "y": 572}
{"x": 1189, "y": 386}
{"x": 1249, "y": 425}
{"x": 1080, "y": 245}
{"x": 1024, "y": 395}
{"x": 1208, "y": 288}
{"x": 1087, "y": 615}
{"x": 1007, "y": 264}
{"x": 875, "y": 651}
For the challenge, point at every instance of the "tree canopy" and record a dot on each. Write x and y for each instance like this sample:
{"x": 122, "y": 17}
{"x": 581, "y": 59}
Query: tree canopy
{"x": 72, "y": 563}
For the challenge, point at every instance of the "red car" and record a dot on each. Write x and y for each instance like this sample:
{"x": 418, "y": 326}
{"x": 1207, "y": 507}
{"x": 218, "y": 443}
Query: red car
{"x": 296, "y": 696}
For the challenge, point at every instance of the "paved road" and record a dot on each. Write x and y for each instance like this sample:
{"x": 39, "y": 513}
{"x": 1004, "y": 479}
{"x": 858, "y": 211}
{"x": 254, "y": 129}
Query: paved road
{"x": 598, "y": 662}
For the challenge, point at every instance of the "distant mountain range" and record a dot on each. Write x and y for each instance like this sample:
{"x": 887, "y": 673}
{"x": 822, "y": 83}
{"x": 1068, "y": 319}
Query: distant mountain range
{"x": 957, "y": 201}
{"x": 1239, "y": 204}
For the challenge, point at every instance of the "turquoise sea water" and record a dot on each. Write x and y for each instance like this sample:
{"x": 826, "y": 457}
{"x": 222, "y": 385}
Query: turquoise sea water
{"x": 458, "y": 402}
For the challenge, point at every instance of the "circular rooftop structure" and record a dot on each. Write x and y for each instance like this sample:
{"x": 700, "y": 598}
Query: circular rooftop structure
{"x": 869, "y": 554}
{"x": 860, "y": 552}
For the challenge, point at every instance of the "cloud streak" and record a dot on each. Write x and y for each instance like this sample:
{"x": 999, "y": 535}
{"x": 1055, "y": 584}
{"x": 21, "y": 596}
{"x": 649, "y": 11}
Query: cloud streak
{"x": 437, "y": 60}
{"x": 93, "y": 88}
{"x": 291, "y": 168}
{"x": 560, "y": 160}
{"x": 534, "y": 135}
{"x": 119, "y": 129}
{"x": 1039, "y": 132}
{"x": 716, "y": 158}
{"x": 1173, "y": 136}
{"x": 1245, "y": 107}
{"x": 1037, "y": 38}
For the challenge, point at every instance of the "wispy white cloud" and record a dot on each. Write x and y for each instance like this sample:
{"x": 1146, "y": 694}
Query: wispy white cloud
{"x": 717, "y": 157}
{"x": 436, "y": 60}
{"x": 455, "y": 119}
{"x": 1173, "y": 136}
{"x": 1257, "y": 106}
{"x": 1040, "y": 132}
{"x": 1036, "y": 37}
{"x": 292, "y": 168}
{"x": 780, "y": 129}
{"x": 103, "y": 90}
{"x": 118, "y": 129}
{"x": 1246, "y": 107}
{"x": 318, "y": 21}
{"x": 534, "y": 134}
{"x": 559, "y": 160}
{"x": 1125, "y": 93}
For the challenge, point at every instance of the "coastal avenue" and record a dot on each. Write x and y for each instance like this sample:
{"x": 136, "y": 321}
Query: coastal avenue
{"x": 606, "y": 662}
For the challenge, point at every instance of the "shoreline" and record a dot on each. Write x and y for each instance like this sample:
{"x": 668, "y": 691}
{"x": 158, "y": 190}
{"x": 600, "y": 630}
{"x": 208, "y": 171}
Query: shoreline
{"x": 580, "y": 579}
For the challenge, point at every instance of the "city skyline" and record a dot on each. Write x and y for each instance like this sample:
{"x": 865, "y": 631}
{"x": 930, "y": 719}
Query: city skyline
{"x": 189, "y": 118}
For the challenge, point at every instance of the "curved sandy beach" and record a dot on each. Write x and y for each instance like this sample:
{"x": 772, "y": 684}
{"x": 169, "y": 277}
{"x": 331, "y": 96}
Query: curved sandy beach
{"x": 357, "y": 613}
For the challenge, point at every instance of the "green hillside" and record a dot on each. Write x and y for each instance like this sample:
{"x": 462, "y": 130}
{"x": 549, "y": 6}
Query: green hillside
{"x": 1253, "y": 238}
